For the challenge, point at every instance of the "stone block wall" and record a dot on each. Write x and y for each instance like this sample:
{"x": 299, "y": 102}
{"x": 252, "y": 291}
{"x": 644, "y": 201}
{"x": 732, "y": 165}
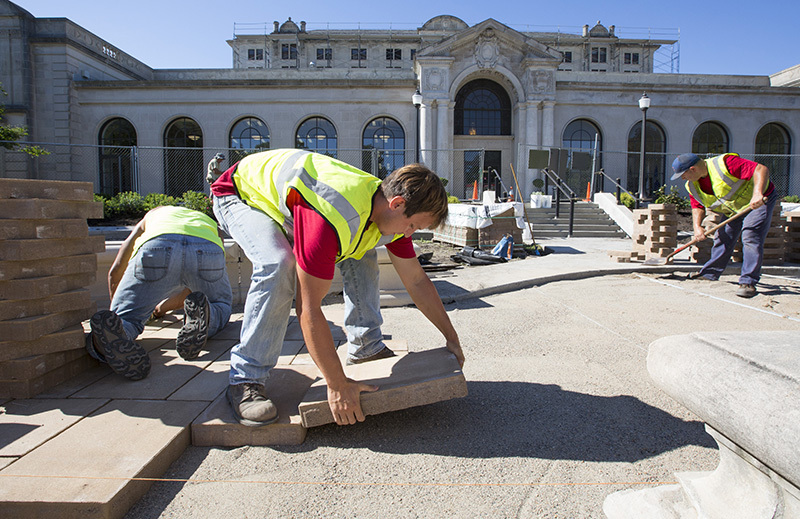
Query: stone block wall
{"x": 47, "y": 261}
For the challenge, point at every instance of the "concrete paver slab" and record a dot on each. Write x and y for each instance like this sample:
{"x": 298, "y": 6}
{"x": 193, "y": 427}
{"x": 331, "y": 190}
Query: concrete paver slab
{"x": 406, "y": 381}
{"x": 50, "y": 190}
{"x": 23, "y": 269}
{"x": 71, "y": 338}
{"x": 5, "y": 462}
{"x": 96, "y": 458}
{"x": 46, "y": 286}
{"x": 33, "y": 208}
{"x": 26, "y": 424}
{"x": 168, "y": 372}
{"x": 28, "y": 388}
{"x": 286, "y": 386}
{"x": 32, "y": 328}
{"x": 37, "y": 365}
{"x": 30, "y": 250}
{"x": 43, "y": 229}
{"x": 70, "y": 387}
{"x": 19, "y": 308}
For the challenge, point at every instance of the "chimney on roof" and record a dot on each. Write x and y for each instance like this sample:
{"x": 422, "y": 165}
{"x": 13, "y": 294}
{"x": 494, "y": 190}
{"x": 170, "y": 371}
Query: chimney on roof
{"x": 302, "y": 26}
{"x": 585, "y": 30}
{"x": 611, "y": 30}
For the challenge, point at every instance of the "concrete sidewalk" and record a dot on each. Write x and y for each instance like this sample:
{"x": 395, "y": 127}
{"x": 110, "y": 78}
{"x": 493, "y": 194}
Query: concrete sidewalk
{"x": 560, "y": 411}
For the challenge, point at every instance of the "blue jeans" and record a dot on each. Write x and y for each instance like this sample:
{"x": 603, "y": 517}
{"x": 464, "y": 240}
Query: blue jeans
{"x": 753, "y": 228}
{"x": 505, "y": 247}
{"x": 165, "y": 265}
{"x": 272, "y": 286}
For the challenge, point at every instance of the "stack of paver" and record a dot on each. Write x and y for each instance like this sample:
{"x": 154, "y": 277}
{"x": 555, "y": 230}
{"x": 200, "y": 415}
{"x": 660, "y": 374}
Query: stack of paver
{"x": 47, "y": 259}
{"x": 792, "y": 236}
{"x": 655, "y": 230}
{"x": 655, "y": 234}
{"x": 774, "y": 242}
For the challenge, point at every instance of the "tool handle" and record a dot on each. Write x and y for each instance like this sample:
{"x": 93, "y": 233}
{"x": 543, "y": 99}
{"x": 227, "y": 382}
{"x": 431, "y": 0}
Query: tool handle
{"x": 712, "y": 230}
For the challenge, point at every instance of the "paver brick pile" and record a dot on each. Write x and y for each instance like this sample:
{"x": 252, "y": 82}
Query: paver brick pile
{"x": 47, "y": 261}
{"x": 792, "y": 237}
{"x": 774, "y": 242}
{"x": 655, "y": 234}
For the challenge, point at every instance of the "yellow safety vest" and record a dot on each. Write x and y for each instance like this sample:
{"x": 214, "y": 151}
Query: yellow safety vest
{"x": 179, "y": 220}
{"x": 731, "y": 194}
{"x": 339, "y": 192}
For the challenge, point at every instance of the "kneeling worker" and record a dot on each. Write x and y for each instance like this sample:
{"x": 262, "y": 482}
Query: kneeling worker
{"x": 170, "y": 250}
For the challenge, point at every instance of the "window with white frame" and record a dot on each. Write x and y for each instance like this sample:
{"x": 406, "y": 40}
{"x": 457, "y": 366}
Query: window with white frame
{"x": 630, "y": 58}
{"x": 289, "y": 51}
{"x": 599, "y": 54}
{"x": 255, "y": 54}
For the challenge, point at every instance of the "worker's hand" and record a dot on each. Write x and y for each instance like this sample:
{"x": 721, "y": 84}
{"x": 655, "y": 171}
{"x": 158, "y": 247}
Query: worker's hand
{"x": 757, "y": 201}
{"x": 455, "y": 349}
{"x": 699, "y": 234}
{"x": 345, "y": 402}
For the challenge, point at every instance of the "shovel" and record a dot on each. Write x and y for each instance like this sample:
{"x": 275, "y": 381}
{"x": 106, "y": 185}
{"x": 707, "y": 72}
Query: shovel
{"x": 664, "y": 261}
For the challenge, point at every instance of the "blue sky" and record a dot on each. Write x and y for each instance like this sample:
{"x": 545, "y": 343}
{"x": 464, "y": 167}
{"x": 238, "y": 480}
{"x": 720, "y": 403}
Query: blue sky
{"x": 716, "y": 37}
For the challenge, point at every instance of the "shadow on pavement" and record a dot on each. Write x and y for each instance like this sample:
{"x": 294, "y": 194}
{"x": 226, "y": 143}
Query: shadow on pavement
{"x": 521, "y": 419}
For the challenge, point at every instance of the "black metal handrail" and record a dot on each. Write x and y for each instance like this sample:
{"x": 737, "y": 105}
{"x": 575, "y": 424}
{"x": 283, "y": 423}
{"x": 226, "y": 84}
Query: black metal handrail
{"x": 619, "y": 190}
{"x": 561, "y": 187}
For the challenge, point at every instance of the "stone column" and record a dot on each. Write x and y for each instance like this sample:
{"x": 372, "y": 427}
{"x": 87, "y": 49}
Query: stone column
{"x": 549, "y": 137}
{"x": 444, "y": 166}
{"x": 425, "y": 130}
{"x": 533, "y": 138}
{"x": 521, "y": 167}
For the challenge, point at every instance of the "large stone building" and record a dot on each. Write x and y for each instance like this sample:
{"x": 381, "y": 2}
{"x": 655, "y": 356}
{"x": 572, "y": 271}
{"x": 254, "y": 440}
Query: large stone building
{"x": 488, "y": 95}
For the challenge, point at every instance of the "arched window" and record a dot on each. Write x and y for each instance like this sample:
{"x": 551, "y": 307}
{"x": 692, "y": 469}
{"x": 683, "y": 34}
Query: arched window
{"x": 183, "y": 159}
{"x": 579, "y": 141}
{"x": 248, "y": 135}
{"x": 482, "y": 108}
{"x": 773, "y": 147}
{"x": 710, "y": 138}
{"x": 655, "y": 147}
{"x": 116, "y": 138}
{"x": 317, "y": 134}
{"x": 386, "y": 140}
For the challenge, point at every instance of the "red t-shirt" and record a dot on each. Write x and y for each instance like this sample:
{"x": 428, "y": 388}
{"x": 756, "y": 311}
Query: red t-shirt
{"x": 315, "y": 243}
{"x": 737, "y": 167}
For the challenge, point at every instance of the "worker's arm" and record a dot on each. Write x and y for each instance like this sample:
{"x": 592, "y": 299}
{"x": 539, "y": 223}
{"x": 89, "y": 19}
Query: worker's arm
{"x": 123, "y": 257}
{"x": 698, "y": 213}
{"x": 760, "y": 184}
{"x": 344, "y": 394}
{"x": 426, "y": 298}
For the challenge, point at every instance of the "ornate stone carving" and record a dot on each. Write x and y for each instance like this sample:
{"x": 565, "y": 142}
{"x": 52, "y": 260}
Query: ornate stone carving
{"x": 434, "y": 79}
{"x": 487, "y": 51}
{"x": 540, "y": 82}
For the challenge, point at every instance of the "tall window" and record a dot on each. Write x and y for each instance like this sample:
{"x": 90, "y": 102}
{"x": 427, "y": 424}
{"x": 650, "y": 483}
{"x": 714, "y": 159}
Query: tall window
{"x": 482, "y": 108}
{"x": 183, "y": 159}
{"x": 773, "y": 146}
{"x": 116, "y": 174}
{"x": 324, "y": 55}
{"x": 386, "y": 137}
{"x": 579, "y": 136}
{"x": 255, "y": 54}
{"x": 599, "y": 54}
{"x": 289, "y": 51}
{"x": 655, "y": 147}
{"x": 317, "y": 134}
{"x": 710, "y": 138}
{"x": 248, "y": 135}
{"x": 359, "y": 55}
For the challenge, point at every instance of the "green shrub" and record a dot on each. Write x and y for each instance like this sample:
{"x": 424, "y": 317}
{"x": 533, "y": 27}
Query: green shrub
{"x": 452, "y": 199}
{"x": 197, "y": 201}
{"x": 444, "y": 181}
{"x": 627, "y": 200}
{"x": 672, "y": 198}
{"x": 127, "y": 204}
{"x": 153, "y": 200}
{"x": 792, "y": 199}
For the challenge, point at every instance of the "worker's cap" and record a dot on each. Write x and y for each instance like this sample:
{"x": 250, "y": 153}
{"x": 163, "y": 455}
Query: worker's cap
{"x": 219, "y": 156}
{"x": 682, "y": 163}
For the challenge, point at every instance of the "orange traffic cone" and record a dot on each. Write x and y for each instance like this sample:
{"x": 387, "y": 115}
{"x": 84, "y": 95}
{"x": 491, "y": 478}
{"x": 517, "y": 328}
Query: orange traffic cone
{"x": 588, "y": 192}
{"x": 475, "y": 190}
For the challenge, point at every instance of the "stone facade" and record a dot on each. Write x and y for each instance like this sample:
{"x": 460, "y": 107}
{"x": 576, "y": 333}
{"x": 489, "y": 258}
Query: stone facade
{"x": 65, "y": 84}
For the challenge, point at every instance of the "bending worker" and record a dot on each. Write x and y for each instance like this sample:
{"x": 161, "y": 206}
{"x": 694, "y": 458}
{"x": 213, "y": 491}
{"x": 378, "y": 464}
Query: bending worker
{"x": 170, "y": 250}
{"x": 297, "y": 215}
{"x": 726, "y": 184}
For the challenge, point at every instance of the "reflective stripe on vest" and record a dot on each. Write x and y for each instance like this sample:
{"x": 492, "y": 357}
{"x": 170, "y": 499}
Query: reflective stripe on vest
{"x": 730, "y": 195}
{"x": 340, "y": 193}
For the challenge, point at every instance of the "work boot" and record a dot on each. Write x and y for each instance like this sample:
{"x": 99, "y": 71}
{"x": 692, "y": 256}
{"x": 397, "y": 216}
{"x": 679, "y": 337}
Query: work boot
{"x": 124, "y": 356}
{"x": 746, "y": 290}
{"x": 251, "y": 405}
{"x": 194, "y": 332}
{"x": 385, "y": 353}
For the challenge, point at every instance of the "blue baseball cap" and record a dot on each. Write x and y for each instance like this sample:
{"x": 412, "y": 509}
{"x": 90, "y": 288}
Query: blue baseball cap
{"x": 682, "y": 163}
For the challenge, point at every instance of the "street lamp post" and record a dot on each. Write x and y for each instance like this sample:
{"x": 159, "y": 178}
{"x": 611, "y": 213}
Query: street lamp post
{"x": 644, "y": 104}
{"x": 417, "y": 100}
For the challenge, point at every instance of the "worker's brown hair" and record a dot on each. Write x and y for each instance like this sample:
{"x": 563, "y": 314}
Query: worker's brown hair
{"x": 422, "y": 190}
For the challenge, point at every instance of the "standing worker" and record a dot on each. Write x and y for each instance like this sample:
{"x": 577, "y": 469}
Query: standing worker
{"x": 297, "y": 215}
{"x": 215, "y": 168}
{"x": 726, "y": 184}
{"x": 170, "y": 250}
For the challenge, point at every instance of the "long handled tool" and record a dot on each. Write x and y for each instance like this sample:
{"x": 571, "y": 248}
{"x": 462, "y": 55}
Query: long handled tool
{"x": 535, "y": 247}
{"x": 667, "y": 259}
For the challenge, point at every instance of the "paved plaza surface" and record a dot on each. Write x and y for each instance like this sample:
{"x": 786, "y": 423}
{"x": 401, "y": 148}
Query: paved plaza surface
{"x": 560, "y": 413}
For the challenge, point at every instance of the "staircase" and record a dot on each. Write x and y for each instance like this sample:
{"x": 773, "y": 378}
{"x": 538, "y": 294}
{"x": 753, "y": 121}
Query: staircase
{"x": 590, "y": 222}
